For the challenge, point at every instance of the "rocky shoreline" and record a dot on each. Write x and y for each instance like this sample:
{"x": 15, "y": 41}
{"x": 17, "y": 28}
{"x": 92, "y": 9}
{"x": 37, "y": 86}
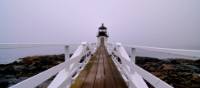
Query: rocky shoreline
{"x": 26, "y": 67}
{"x": 180, "y": 73}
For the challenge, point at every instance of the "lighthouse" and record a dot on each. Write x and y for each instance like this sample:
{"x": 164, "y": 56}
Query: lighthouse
{"x": 102, "y": 35}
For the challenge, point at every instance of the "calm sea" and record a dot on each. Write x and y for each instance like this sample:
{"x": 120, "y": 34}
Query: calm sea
{"x": 10, "y": 53}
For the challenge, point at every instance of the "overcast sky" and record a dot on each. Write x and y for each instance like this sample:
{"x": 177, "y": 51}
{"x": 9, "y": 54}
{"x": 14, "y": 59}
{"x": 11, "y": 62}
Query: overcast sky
{"x": 158, "y": 23}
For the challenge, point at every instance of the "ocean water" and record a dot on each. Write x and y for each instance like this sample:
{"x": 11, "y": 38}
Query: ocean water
{"x": 165, "y": 55}
{"x": 10, "y": 53}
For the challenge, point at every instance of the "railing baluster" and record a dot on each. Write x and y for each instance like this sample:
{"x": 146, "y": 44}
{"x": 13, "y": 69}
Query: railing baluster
{"x": 127, "y": 66}
{"x": 132, "y": 70}
{"x": 65, "y": 70}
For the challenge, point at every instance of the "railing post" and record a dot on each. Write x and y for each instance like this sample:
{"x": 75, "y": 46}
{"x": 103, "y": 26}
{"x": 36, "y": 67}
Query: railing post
{"x": 67, "y": 57}
{"x": 64, "y": 78}
{"x": 132, "y": 60}
{"x": 133, "y": 55}
{"x": 66, "y": 52}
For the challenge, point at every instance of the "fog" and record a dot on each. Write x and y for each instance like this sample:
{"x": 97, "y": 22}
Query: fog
{"x": 156, "y": 23}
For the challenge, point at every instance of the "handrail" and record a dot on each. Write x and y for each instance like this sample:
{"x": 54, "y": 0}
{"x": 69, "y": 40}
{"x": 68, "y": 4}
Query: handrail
{"x": 184, "y": 52}
{"x": 71, "y": 66}
{"x": 153, "y": 80}
{"x": 128, "y": 65}
{"x": 64, "y": 78}
{"x": 36, "y": 80}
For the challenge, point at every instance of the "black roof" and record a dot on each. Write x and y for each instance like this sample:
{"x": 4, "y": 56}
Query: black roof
{"x": 102, "y": 27}
{"x": 102, "y": 34}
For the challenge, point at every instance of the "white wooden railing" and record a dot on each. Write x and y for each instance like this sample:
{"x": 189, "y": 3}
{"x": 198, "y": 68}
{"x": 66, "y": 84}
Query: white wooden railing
{"x": 65, "y": 71}
{"x": 166, "y": 52}
{"x": 134, "y": 75}
{"x": 126, "y": 67}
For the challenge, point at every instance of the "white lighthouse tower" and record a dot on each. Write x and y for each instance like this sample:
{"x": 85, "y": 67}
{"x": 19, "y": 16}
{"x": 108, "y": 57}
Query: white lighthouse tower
{"x": 102, "y": 35}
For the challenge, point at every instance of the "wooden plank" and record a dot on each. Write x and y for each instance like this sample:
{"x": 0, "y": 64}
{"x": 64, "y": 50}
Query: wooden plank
{"x": 100, "y": 73}
{"x": 109, "y": 81}
{"x": 99, "y": 81}
{"x": 89, "y": 81}
{"x": 116, "y": 74}
{"x": 82, "y": 76}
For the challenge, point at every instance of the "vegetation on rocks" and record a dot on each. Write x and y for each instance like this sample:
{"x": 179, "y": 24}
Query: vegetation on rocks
{"x": 26, "y": 67}
{"x": 180, "y": 73}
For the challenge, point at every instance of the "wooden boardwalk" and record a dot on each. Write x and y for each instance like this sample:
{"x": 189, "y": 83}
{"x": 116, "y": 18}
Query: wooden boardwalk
{"x": 100, "y": 72}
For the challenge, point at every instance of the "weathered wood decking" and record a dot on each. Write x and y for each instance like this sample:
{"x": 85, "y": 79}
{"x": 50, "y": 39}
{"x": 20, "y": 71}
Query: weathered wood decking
{"x": 100, "y": 72}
